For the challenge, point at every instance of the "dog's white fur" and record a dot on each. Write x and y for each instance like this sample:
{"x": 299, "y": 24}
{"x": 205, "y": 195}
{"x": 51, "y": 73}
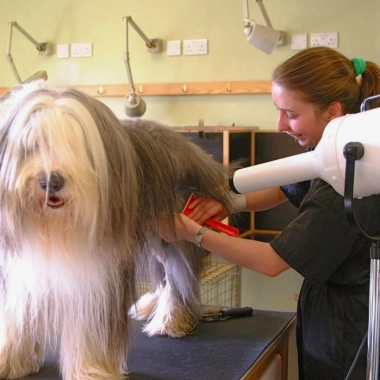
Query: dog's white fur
{"x": 81, "y": 198}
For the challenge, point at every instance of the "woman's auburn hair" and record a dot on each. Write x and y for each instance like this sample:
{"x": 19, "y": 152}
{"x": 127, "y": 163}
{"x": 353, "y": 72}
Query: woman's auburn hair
{"x": 322, "y": 76}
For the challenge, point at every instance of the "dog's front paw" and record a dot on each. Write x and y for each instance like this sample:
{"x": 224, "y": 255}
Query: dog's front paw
{"x": 94, "y": 374}
{"x": 144, "y": 307}
{"x": 14, "y": 368}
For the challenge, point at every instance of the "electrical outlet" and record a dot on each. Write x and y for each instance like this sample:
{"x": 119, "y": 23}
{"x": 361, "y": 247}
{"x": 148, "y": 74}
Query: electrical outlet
{"x": 324, "y": 39}
{"x": 79, "y": 50}
{"x": 173, "y": 48}
{"x": 195, "y": 47}
{"x": 299, "y": 41}
{"x": 63, "y": 51}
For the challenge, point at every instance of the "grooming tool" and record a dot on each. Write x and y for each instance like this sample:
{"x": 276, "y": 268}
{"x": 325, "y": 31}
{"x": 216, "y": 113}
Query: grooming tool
{"x": 214, "y": 224}
{"x": 215, "y": 313}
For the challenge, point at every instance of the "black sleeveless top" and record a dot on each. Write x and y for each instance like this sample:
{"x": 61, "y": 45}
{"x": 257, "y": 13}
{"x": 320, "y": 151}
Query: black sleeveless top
{"x": 332, "y": 314}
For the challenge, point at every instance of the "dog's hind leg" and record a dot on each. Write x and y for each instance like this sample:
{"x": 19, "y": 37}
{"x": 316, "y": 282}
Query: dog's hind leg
{"x": 170, "y": 317}
{"x": 177, "y": 307}
{"x": 151, "y": 275}
{"x": 145, "y": 306}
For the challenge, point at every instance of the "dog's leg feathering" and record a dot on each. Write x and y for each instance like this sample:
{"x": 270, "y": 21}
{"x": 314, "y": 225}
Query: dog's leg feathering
{"x": 146, "y": 305}
{"x": 173, "y": 307}
{"x": 170, "y": 317}
{"x": 20, "y": 355}
{"x": 87, "y": 355}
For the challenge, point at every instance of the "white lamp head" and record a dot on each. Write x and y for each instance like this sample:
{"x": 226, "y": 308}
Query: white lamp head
{"x": 134, "y": 106}
{"x": 263, "y": 37}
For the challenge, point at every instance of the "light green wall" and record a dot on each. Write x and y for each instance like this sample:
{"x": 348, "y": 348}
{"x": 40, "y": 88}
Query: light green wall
{"x": 230, "y": 58}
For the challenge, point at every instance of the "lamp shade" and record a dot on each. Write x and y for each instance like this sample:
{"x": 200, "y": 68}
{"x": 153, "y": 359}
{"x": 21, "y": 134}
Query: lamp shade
{"x": 263, "y": 37}
{"x": 134, "y": 106}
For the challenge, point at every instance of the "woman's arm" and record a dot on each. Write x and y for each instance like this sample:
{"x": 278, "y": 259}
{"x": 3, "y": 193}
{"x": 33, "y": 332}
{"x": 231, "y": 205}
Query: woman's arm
{"x": 264, "y": 199}
{"x": 250, "y": 254}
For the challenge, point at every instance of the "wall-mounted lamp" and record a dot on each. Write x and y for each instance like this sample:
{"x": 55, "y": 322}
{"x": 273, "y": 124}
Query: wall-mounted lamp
{"x": 134, "y": 106}
{"x": 263, "y": 37}
{"x": 44, "y": 48}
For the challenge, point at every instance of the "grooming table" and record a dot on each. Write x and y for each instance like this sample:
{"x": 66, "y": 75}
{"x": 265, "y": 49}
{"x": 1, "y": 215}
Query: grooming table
{"x": 232, "y": 349}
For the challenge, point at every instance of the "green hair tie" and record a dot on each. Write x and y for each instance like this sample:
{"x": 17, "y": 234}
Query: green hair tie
{"x": 359, "y": 65}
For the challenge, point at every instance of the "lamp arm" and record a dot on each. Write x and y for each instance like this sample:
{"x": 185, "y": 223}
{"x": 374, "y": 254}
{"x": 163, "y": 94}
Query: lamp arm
{"x": 132, "y": 91}
{"x": 264, "y": 12}
{"x": 8, "y": 53}
{"x": 245, "y": 10}
{"x": 13, "y": 67}
{"x": 128, "y": 20}
{"x": 44, "y": 48}
{"x": 149, "y": 43}
{"x": 134, "y": 105}
{"x": 38, "y": 45}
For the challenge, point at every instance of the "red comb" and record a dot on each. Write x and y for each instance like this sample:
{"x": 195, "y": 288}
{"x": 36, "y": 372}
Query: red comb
{"x": 222, "y": 227}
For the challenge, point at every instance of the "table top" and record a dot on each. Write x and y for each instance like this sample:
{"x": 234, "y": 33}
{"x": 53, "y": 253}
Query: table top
{"x": 215, "y": 350}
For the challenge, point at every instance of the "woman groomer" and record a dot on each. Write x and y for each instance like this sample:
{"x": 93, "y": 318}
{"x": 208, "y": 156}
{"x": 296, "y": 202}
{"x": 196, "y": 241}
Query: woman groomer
{"x": 310, "y": 89}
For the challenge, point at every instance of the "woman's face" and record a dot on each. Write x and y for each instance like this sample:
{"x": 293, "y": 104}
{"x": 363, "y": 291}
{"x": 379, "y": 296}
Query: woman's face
{"x": 298, "y": 118}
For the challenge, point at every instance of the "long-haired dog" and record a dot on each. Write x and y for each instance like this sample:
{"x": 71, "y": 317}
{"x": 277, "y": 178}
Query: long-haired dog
{"x": 81, "y": 198}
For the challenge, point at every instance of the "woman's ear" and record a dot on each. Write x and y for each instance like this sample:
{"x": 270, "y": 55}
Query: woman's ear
{"x": 334, "y": 110}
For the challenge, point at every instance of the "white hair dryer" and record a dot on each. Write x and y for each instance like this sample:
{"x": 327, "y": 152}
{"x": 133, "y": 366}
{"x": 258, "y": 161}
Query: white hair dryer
{"x": 327, "y": 161}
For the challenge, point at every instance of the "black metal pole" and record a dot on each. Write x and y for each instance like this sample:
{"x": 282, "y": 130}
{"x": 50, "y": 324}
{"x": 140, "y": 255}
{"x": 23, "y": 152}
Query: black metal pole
{"x": 354, "y": 151}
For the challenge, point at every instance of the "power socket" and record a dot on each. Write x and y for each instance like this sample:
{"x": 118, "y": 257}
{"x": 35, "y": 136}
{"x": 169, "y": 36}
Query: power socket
{"x": 324, "y": 39}
{"x": 79, "y": 50}
{"x": 195, "y": 47}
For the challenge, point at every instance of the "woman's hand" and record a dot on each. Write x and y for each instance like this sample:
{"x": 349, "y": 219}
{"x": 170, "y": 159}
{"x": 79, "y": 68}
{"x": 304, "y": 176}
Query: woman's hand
{"x": 206, "y": 208}
{"x": 185, "y": 229}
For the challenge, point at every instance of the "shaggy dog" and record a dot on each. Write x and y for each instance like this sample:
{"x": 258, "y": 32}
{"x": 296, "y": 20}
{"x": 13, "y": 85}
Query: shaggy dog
{"x": 81, "y": 198}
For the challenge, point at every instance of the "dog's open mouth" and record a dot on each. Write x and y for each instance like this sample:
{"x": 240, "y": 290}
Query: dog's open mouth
{"x": 52, "y": 184}
{"x": 54, "y": 201}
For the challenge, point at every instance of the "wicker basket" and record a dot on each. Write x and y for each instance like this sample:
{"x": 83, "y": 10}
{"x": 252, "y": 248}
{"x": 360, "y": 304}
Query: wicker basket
{"x": 219, "y": 283}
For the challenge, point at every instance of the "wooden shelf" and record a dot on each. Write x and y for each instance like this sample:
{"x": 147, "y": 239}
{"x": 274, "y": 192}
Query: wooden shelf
{"x": 172, "y": 89}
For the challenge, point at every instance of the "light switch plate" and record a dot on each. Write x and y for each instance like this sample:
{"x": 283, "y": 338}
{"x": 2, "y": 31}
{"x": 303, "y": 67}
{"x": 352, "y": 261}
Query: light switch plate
{"x": 173, "y": 48}
{"x": 63, "y": 51}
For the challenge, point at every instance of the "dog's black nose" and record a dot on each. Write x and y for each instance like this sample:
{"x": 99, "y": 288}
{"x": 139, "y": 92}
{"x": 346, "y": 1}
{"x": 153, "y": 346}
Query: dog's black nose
{"x": 54, "y": 183}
